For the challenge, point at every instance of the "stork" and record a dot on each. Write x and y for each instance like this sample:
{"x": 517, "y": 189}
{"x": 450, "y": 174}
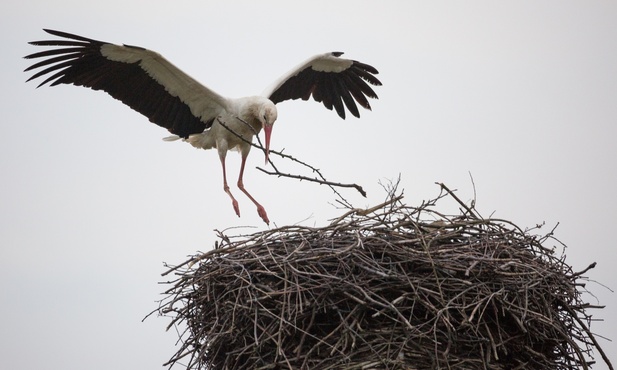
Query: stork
{"x": 151, "y": 85}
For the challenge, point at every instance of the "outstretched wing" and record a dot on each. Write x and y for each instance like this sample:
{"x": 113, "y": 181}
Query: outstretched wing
{"x": 331, "y": 80}
{"x": 140, "y": 78}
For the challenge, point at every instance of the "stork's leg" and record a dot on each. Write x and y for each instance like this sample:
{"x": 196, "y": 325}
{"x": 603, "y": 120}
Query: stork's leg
{"x": 234, "y": 202}
{"x": 260, "y": 209}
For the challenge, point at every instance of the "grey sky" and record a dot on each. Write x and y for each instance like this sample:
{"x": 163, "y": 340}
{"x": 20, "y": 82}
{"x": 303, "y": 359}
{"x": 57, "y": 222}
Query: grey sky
{"x": 519, "y": 94}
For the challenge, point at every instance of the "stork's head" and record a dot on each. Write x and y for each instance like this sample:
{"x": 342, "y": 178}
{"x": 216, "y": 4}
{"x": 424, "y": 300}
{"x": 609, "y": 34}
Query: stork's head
{"x": 267, "y": 117}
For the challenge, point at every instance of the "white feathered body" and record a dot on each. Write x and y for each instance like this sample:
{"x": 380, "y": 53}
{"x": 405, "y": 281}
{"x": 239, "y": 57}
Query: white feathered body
{"x": 236, "y": 134}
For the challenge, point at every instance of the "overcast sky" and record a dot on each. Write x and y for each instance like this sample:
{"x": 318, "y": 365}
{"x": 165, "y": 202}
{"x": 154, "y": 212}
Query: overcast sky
{"x": 519, "y": 94}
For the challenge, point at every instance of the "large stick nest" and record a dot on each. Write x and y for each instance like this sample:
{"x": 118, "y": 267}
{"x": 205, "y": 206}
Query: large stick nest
{"x": 392, "y": 287}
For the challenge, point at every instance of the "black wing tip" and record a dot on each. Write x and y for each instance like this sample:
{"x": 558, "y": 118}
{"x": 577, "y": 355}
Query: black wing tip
{"x": 367, "y": 107}
{"x": 66, "y": 35}
{"x": 42, "y": 43}
{"x": 375, "y": 82}
{"x": 365, "y": 72}
{"x": 69, "y": 44}
{"x": 367, "y": 67}
{"x": 59, "y": 33}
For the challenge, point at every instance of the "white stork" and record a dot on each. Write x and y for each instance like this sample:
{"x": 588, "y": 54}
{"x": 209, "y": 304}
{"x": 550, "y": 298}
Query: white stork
{"x": 151, "y": 85}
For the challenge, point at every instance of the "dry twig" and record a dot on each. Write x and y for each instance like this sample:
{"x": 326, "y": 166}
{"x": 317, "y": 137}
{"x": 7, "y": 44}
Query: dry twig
{"x": 319, "y": 178}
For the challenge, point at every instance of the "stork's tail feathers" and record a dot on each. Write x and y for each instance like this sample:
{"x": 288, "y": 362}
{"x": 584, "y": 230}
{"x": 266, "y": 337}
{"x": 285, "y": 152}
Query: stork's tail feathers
{"x": 200, "y": 141}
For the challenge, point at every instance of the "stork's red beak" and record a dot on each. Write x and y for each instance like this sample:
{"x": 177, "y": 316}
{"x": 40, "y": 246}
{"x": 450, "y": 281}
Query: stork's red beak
{"x": 268, "y": 132}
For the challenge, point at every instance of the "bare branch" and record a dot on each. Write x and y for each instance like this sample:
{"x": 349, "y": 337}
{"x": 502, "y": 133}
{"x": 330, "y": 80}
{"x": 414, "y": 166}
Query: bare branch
{"x": 321, "y": 182}
{"x": 319, "y": 178}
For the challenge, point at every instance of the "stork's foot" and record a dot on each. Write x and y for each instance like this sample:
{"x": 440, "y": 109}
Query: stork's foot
{"x": 262, "y": 213}
{"x": 234, "y": 203}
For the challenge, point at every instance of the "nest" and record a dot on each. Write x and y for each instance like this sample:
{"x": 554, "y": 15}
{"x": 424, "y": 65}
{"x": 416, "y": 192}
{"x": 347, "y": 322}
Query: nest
{"x": 391, "y": 287}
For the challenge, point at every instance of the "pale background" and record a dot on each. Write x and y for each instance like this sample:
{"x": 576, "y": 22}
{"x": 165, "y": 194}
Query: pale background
{"x": 521, "y": 94}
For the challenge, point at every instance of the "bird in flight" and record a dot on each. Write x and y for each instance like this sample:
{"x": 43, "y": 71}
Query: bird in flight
{"x": 151, "y": 85}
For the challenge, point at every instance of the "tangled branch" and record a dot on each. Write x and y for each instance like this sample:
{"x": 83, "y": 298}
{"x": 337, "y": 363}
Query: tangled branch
{"x": 390, "y": 287}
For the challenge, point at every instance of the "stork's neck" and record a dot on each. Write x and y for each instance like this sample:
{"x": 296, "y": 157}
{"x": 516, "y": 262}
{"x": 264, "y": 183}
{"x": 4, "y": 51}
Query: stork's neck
{"x": 249, "y": 109}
